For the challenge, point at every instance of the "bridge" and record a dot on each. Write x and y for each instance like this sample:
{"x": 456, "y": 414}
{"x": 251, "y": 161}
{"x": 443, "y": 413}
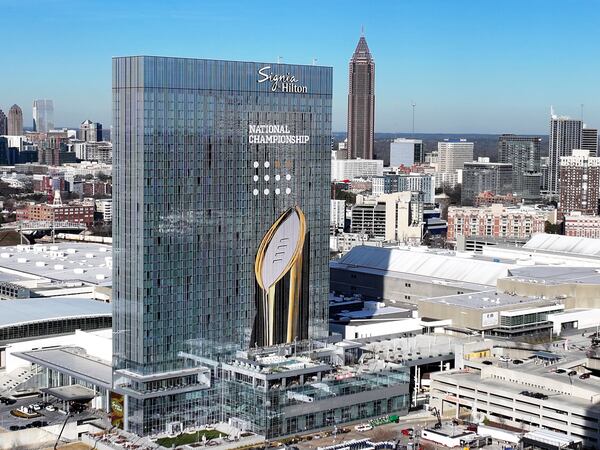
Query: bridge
{"x": 36, "y": 229}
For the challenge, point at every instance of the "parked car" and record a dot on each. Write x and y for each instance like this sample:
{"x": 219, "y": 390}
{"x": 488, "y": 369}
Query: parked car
{"x": 504, "y": 358}
{"x": 561, "y": 371}
{"x": 487, "y": 363}
{"x": 363, "y": 427}
{"x": 572, "y": 373}
{"x": 36, "y": 407}
{"x": 584, "y": 376}
{"x": 407, "y": 432}
{"x": 50, "y": 408}
{"x": 517, "y": 361}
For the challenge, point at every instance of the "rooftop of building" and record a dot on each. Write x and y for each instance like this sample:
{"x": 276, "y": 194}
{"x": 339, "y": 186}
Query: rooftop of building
{"x": 554, "y": 275}
{"x": 32, "y": 310}
{"x": 487, "y": 300}
{"x": 437, "y": 267}
{"x": 74, "y": 361}
{"x": 89, "y": 263}
{"x": 564, "y": 244}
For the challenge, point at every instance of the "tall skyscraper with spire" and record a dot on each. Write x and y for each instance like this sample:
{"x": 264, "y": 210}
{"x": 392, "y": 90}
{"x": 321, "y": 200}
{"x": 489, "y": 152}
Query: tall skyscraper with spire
{"x": 361, "y": 102}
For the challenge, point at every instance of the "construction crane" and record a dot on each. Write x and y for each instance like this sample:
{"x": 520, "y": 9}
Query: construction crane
{"x": 436, "y": 413}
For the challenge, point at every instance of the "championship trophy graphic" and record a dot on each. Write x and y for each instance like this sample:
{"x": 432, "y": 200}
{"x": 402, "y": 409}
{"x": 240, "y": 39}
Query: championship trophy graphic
{"x": 281, "y": 269}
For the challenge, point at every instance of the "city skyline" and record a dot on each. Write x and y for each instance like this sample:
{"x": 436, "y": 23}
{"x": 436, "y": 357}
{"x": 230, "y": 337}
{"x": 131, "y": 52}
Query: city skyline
{"x": 458, "y": 76}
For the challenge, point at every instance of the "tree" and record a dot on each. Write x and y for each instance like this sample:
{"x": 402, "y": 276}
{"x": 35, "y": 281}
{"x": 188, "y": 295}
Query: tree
{"x": 551, "y": 228}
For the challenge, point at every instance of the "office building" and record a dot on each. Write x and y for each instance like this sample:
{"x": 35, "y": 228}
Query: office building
{"x": 449, "y": 160}
{"x": 565, "y": 136}
{"x": 579, "y": 183}
{"x": 545, "y": 171}
{"x": 338, "y": 214}
{"x": 349, "y": 169}
{"x": 361, "y": 102}
{"x": 485, "y": 176}
{"x": 43, "y": 115}
{"x": 195, "y": 280}
{"x": 394, "y": 217}
{"x": 523, "y": 153}
{"x": 406, "y": 152}
{"x": 414, "y": 182}
{"x": 453, "y": 154}
{"x": 3, "y": 124}
{"x": 589, "y": 140}
{"x": 497, "y": 221}
{"x": 90, "y": 131}
{"x": 15, "y": 121}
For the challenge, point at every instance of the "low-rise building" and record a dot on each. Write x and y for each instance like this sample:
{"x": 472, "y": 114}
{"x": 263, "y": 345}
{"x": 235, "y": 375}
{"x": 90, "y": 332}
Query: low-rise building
{"x": 494, "y": 313}
{"x": 414, "y": 182}
{"x": 75, "y": 212}
{"x": 498, "y": 221}
{"x": 581, "y": 225}
{"x": 531, "y": 396}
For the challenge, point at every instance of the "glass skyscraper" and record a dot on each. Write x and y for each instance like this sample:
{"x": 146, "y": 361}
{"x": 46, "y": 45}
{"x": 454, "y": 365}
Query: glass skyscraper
{"x": 221, "y": 216}
{"x": 43, "y": 115}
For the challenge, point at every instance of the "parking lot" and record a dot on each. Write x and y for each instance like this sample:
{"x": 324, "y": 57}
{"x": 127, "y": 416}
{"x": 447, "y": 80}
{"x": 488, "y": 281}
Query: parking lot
{"x": 7, "y": 420}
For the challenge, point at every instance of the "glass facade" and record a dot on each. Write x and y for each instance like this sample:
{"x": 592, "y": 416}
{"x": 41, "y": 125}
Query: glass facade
{"x": 207, "y": 156}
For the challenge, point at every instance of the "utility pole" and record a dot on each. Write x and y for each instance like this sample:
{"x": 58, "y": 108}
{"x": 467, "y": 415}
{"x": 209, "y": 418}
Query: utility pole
{"x": 413, "y": 118}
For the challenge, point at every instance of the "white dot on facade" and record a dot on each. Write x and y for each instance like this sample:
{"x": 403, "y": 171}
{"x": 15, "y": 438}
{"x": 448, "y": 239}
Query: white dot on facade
{"x": 255, "y": 191}
{"x": 288, "y": 191}
{"x": 277, "y": 177}
{"x": 266, "y": 191}
{"x": 267, "y": 164}
{"x": 277, "y": 191}
{"x": 266, "y": 177}
{"x": 255, "y": 164}
{"x": 288, "y": 177}
{"x": 255, "y": 177}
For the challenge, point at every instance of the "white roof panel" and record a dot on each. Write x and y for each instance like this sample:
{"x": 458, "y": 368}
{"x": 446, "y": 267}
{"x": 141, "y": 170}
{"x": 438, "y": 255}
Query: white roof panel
{"x": 437, "y": 266}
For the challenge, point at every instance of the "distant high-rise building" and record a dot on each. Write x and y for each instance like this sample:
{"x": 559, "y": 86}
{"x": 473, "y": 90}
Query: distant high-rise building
{"x": 361, "y": 102}
{"x": 565, "y": 135}
{"x": 589, "y": 140}
{"x": 545, "y": 171}
{"x": 15, "y": 121}
{"x": 579, "y": 183}
{"x": 453, "y": 154}
{"x": 523, "y": 153}
{"x": 43, "y": 115}
{"x": 3, "y": 123}
{"x": 485, "y": 176}
{"x": 406, "y": 152}
{"x": 90, "y": 131}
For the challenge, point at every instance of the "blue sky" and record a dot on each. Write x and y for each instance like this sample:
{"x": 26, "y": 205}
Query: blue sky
{"x": 470, "y": 66}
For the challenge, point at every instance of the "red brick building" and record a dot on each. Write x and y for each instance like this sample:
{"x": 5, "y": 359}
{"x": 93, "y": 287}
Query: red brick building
{"x": 579, "y": 183}
{"x": 580, "y": 225}
{"x": 73, "y": 213}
